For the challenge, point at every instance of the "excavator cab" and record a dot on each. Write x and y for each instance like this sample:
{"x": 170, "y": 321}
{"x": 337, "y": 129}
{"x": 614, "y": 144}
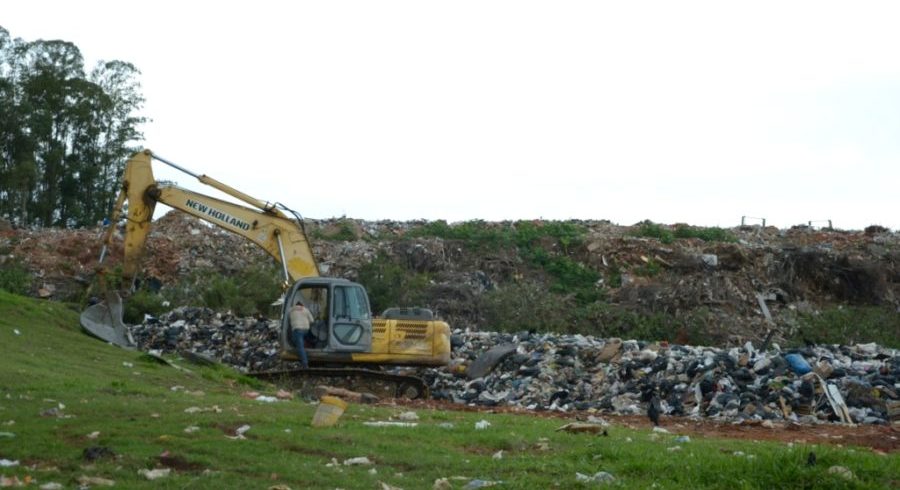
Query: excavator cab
{"x": 342, "y": 317}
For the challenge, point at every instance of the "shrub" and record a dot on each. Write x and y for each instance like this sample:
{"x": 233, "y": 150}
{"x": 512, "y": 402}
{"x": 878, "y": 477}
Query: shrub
{"x": 650, "y": 229}
{"x": 713, "y": 234}
{"x": 390, "y": 284}
{"x": 850, "y": 325}
{"x": 140, "y": 303}
{"x": 15, "y": 278}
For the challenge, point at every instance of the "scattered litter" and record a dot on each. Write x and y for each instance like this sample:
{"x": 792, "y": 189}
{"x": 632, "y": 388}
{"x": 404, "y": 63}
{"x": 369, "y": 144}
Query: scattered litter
{"x": 177, "y": 388}
{"x": 250, "y": 395}
{"x": 408, "y": 416}
{"x": 373, "y": 471}
{"x": 442, "y": 484}
{"x": 481, "y": 425}
{"x": 841, "y": 471}
{"x": 576, "y": 427}
{"x": 660, "y": 430}
{"x": 128, "y": 364}
{"x": 682, "y": 439}
{"x": 447, "y": 425}
{"x": 361, "y": 460}
{"x": 96, "y": 480}
{"x": 383, "y": 423}
{"x": 266, "y": 399}
{"x": 93, "y": 435}
{"x": 16, "y": 331}
{"x": 51, "y": 486}
{"x": 155, "y": 474}
{"x": 673, "y": 449}
{"x": 334, "y": 463}
{"x": 385, "y": 486}
{"x": 497, "y": 455}
{"x": 214, "y": 409}
{"x": 284, "y": 395}
{"x": 239, "y": 433}
{"x": 600, "y": 477}
{"x": 191, "y": 429}
{"x": 12, "y": 481}
{"x": 329, "y": 411}
{"x": 7, "y": 463}
{"x": 94, "y": 453}
{"x": 473, "y": 484}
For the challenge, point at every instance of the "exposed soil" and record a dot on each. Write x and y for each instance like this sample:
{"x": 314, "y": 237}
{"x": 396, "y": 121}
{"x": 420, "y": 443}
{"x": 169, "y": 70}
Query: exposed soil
{"x": 878, "y": 438}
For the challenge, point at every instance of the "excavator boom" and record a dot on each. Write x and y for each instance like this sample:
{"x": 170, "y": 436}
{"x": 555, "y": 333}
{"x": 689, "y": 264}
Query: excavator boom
{"x": 345, "y": 332}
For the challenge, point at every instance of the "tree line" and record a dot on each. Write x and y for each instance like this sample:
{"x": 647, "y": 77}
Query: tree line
{"x": 64, "y": 133}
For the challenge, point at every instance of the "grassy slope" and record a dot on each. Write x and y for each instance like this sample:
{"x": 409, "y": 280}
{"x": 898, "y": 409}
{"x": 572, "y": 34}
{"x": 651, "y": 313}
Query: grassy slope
{"x": 138, "y": 416}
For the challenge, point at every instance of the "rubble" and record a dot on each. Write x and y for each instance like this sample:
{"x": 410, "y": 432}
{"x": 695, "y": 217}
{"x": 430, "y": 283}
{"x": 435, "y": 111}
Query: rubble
{"x": 546, "y": 371}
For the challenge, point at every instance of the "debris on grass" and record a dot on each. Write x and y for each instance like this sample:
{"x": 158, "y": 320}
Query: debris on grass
{"x": 93, "y": 435}
{"x": 214, "y": 409}
{"x": 239, "y": 433}
{"x": 191, "y": 429}
{"x": 841, "y": 471}
{"x": 601, "y": 477}
{"x": 660, "y": 430}
{"x": 8, "y": 463}
{"x": 576, "y": 427}
{"x": 682, "y": 439}
{"x": 51, "y": 486}
{"x": 94, "y": 453}
{"x": 7, "y": 435}
{"x": 361, "y": 460}
{"x": 408, "y": 416}
{"x": 388, "y": 423}
{"x": 96, "y": 481}
{"x": 473, "y": 484}
{"x": 497, "y": 455}
{"x": 482, "y": 424}
{"x": 154, "y": 474}
{"x": 284, "y": 395}
{"x": 442, "y": 484}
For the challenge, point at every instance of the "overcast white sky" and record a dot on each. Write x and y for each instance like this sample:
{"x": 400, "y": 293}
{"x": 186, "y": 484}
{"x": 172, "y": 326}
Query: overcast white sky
{"x": 696, "y": 112}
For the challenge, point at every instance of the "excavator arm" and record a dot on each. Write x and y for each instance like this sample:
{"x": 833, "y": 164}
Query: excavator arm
{"x": 267, "y": 226}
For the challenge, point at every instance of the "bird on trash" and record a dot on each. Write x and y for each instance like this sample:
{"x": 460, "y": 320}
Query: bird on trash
{"x": 653, "y": 410}
{"x": 811, "y": 459}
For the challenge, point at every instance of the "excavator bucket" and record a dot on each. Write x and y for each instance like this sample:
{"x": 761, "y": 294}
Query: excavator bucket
{"x": 104, "y": 321}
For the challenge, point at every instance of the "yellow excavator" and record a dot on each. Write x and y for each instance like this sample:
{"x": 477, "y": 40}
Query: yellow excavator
{"x": 344, "y": 332}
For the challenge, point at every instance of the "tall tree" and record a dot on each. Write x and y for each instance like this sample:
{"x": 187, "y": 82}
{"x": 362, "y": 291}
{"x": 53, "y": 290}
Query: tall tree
{"x": 64, "y": 135}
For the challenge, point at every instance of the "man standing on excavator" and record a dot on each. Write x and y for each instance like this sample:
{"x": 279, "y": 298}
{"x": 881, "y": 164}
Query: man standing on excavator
{"x": 301, "y": 319}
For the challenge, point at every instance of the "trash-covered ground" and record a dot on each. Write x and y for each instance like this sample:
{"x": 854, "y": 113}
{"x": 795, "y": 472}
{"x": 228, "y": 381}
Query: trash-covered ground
{"x": 728, "y": 291}
{"x": 853, "y": 384}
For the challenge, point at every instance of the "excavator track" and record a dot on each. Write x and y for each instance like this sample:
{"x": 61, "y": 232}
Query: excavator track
{"x": 378, "y": 383}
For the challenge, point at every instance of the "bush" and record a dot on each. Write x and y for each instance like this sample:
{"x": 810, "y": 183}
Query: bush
{"x": 850, "y": 325}
{"x": 525, "y": 306}
{"x": 713, "y": 234}
{"x": 15, "y": 278}
{"x": 250, "y": 292}
{"x": 649, "y": 229}
{"x": 389, "y": 284}
{"x": 140, "y": 303}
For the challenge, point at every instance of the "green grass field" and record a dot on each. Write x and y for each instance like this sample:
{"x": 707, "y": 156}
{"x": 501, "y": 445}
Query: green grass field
{"x": 138, "y": 406}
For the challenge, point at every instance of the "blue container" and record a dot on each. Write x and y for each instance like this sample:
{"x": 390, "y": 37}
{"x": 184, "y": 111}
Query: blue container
{"x": 798, "y": 364}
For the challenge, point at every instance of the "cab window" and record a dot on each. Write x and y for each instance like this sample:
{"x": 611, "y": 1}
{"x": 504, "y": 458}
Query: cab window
{"x": 350, "y": 302}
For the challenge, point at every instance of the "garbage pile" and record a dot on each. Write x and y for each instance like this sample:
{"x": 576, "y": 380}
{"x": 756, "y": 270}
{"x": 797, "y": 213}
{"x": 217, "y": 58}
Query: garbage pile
{"x": 248, "y": 344}
{"x": 858, "y": 384}
{"x": 546, "y": 371}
